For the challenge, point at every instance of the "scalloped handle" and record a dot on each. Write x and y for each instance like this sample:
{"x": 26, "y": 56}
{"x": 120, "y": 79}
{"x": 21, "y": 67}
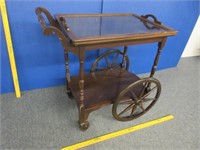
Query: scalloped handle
{"x": 151, "y": 16}
{"x": 39, "y": 11}
{"x": 53, "y": 28}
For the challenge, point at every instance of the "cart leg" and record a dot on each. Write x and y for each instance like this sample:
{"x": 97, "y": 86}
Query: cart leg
{"x": 160, "y": 47}
{"x": 124, "y": 57}
{"x": 154, "y": 67}
{"x": 83, "y": 115}
{"x": 69, "y": 93}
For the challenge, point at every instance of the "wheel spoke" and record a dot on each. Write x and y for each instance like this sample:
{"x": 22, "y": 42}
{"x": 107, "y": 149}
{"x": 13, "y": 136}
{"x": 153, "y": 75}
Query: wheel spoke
{"x": 116, "y": 66}
{"x": 126, "y": 109}
{"x": 143, "y": 89}
{"x": 133, "y": 94}
{"x": 133, "y": 110}
{"x": 115, "y": 59}
{"x": 127, "y": 101}
{"x": 108, "y": 64}
{"x": 141, "y": 106}
{"x": 149, "y": 92}
{"x": 148, "y": 99}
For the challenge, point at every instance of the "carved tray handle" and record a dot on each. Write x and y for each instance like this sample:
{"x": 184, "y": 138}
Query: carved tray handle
{"x": 53, "y": 28}
{"x": 39, "y": 11}
{"x": 152, "y": 16}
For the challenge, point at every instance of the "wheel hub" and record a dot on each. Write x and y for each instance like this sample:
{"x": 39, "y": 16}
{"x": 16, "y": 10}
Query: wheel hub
{"x": 139, "y": 101}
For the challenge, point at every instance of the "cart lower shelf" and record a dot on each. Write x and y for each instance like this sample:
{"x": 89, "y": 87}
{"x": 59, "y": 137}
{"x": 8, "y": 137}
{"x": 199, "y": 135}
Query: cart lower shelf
{"x": 102, "y": 88}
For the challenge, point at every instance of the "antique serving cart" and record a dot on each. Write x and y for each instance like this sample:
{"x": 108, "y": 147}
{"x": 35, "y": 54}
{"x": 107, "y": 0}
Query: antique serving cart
{"x": 109, "y": 81}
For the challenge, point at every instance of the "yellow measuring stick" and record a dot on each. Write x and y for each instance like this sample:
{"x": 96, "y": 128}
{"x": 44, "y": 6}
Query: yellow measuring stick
{"x": 10, "y": 47}
{"x": 117, "y": 133}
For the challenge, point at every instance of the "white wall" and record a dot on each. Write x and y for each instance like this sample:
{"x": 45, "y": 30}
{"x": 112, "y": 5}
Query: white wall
{"x": 193, "y": 45}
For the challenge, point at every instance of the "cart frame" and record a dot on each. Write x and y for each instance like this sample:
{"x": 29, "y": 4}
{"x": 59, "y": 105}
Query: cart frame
{"x": 71, "y": 43}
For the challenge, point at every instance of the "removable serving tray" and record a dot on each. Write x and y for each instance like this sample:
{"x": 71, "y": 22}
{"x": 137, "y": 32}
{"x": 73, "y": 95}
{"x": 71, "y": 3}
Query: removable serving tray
{"x": 87, "y": 28}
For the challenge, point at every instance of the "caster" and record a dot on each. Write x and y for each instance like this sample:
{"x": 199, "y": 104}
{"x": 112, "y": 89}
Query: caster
{"x": 84, "y": 126}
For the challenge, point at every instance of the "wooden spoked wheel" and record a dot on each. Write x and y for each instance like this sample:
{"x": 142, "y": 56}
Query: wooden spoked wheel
{"x": 136, "y": 99}
{"x": 109, "y": 62}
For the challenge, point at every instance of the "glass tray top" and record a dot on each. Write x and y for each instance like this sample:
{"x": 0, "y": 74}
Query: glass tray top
{"x": 91, "y": 27}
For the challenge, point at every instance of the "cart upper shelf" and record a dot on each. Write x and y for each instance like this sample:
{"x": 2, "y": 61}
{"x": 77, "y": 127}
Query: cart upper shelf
{"x": 81, "y": 28}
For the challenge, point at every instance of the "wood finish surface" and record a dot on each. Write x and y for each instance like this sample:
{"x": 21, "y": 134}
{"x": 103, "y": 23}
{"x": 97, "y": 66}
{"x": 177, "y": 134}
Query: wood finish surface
{"x": 100, "y": 88}
{"x": 104, "y": 89}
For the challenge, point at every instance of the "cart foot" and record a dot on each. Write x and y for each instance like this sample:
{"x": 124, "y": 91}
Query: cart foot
{"x": 84, "y": 125}
{"x": 70, "y": 95}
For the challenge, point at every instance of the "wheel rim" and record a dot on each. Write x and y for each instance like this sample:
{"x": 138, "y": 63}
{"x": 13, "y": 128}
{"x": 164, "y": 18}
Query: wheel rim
{"x": 136, "y": 99}
{"x": 109, "y": 62}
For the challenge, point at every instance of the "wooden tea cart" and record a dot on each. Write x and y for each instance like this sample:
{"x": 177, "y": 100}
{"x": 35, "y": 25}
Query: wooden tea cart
{"x": 109, "y": 81}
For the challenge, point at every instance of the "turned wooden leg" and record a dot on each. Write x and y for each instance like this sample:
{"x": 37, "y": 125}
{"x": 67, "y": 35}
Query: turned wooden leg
{"x": 124, "y": 57}
{"x": 83, "y": 115}
{"x": 160, "y": 47}
{"x": 154, "y": 67}
{"x": 69, "y": 92}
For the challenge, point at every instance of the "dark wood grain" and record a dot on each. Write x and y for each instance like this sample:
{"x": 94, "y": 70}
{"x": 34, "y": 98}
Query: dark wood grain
{"x": 90, "y": 91}
{"x": 102, "y": 91}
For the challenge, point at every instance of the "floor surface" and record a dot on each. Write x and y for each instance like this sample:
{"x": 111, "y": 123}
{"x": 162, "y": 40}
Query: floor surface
{"x": 47, "y": 119}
